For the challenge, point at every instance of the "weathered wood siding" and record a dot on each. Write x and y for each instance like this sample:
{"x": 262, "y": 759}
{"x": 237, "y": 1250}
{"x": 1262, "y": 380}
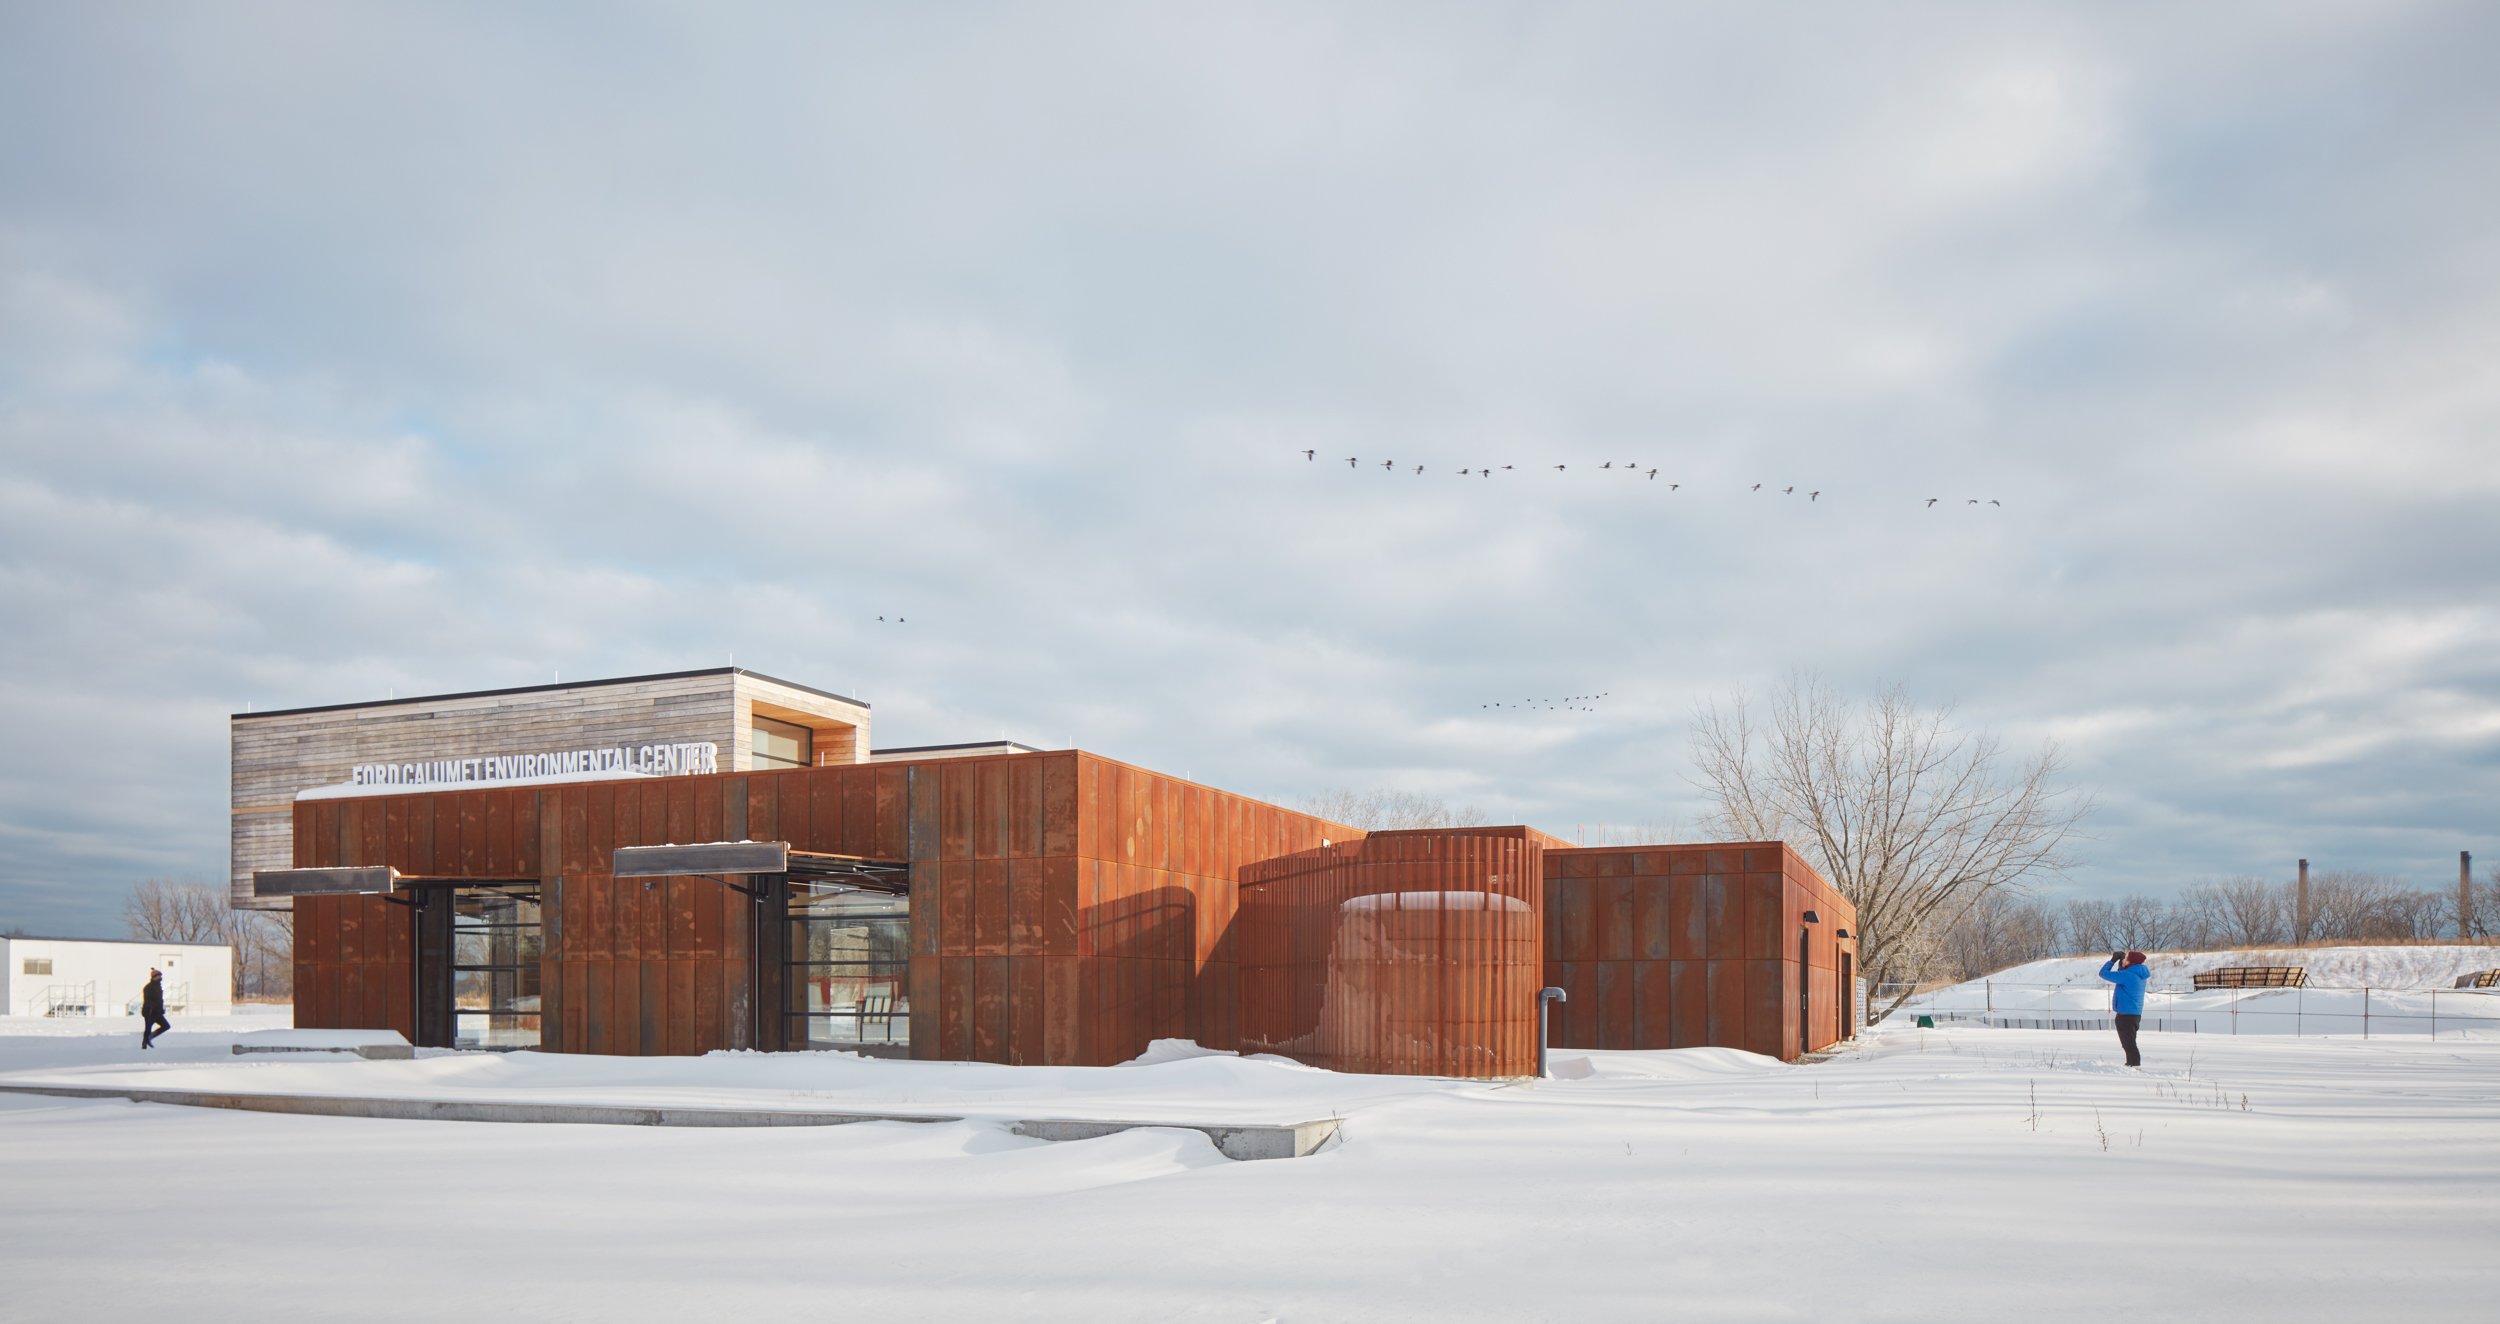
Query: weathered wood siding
{"x": 277, "y": 755}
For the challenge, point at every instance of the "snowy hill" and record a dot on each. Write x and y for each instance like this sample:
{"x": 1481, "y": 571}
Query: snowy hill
{"x": 2351, "y": 990}
{"x": 2329, "y": 967}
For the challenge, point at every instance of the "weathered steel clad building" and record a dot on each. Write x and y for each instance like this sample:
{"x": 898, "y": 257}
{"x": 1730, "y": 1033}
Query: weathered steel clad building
{"x": 1025, "y": 907}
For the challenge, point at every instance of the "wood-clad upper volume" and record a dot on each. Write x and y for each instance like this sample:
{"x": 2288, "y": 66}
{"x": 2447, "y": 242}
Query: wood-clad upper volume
{"x": 281, "y": 756}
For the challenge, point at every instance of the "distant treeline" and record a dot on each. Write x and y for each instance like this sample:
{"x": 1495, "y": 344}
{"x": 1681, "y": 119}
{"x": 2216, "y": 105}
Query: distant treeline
{"x": 2344, "y": 906}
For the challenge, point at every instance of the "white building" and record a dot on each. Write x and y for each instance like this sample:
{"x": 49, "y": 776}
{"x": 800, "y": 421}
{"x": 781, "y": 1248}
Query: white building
{"x": 103, "y": 977}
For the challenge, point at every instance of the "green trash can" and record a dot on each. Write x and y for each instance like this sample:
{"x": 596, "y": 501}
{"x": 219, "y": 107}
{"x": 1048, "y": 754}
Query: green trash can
{"x": 1927, "y": 1022}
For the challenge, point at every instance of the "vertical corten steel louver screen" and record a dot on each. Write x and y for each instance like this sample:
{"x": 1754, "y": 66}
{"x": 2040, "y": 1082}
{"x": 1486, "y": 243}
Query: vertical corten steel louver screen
{"x": 1413, "y": 953}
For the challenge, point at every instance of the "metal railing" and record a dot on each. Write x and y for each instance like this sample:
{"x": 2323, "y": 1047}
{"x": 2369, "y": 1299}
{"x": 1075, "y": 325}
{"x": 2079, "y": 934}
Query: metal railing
{"x": 2305, "y": 1011}
{"x": 65, "y": 1000}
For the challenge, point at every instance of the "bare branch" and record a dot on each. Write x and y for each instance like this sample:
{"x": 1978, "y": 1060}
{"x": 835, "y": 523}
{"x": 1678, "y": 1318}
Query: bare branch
{"x": 1383, "y": 810}
{"x": 1914, "y": 819}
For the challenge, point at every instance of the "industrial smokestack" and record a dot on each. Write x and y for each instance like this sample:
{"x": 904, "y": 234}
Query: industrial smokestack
{"x": 2465, "y": 894}
{"x": 2300, "y": 906}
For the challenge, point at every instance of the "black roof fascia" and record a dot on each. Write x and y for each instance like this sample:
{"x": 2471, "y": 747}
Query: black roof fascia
{"x": 125, "y": 942}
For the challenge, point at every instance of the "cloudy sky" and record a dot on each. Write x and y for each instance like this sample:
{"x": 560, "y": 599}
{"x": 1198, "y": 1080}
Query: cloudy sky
{"x": 351, "y": 350}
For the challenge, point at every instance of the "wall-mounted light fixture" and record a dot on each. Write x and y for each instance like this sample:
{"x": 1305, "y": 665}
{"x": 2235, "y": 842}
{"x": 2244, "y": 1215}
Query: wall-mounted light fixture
{"x": 1805, "y": 1014}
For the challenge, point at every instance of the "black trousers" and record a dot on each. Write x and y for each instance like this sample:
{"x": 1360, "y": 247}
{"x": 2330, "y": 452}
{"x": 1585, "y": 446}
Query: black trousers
{"x": 2126, "y": 1037}
{"x": 156, "y": 1025}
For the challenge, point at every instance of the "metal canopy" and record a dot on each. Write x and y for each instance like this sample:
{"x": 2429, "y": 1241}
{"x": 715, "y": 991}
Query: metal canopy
{"x": 719, "y": 857}
{"x": 726, "y": 859}
{"x": 370, "y": 880}
{"x": 364, "y": 880}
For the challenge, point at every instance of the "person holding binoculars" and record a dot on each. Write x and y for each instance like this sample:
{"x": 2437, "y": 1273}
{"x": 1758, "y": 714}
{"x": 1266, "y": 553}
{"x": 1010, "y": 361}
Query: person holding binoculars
{"x": 2126, "y": 1002}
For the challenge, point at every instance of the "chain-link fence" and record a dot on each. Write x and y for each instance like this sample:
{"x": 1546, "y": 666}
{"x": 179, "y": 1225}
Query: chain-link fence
{"x": 2307, "y": 1011}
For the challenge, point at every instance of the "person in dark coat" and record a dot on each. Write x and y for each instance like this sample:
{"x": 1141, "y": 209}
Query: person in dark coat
{"x": 2126, "y": 1002}
{"x": 152, "y": 1009}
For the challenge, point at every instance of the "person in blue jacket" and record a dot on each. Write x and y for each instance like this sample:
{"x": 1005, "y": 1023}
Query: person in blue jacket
{"x": 2126, "y": 1001}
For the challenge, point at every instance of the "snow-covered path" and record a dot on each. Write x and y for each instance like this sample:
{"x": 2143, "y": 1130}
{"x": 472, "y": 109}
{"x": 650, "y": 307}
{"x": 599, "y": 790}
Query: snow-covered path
{"x": 1914, "y": 1179}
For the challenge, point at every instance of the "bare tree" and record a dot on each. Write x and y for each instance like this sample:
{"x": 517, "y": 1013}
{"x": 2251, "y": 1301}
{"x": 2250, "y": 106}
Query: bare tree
{"x": 1383, "y": 810}
{"x": 2000, "y": 930}
{"x": 266, "y": 953}
{"x": 167, "y": 911}
{"x": 2420, "y": 913}
{"x": 1911, "y": 817}
{"x": 2195, "y": 918}
{"x": 2092, "y": 925}
{"x": 2144, "y": 924}
{"x": 2251, "y": 911}
{"x": 263, "y": 941}
{"x": 1649, "y": 833}
{"x": 2345, "y": 904}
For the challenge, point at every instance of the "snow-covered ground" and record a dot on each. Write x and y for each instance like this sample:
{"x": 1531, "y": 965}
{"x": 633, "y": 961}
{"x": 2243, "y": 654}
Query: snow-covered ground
{"x": 1955, "y": 1174}
{"x": 2361, "y": 991}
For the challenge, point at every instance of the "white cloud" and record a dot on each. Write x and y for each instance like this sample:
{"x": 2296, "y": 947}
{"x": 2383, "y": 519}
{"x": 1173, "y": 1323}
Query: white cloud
{"x": 440, "y": 349}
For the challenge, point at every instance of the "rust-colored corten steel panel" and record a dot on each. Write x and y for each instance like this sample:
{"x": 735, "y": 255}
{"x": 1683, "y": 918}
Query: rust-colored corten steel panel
{"x": 643, "y": 966}
{"x": 352, "y": 953}
{"x": 1066, "y": 908}
{"x": 1694, "y": 945}
{"x": 1405, "y": 952}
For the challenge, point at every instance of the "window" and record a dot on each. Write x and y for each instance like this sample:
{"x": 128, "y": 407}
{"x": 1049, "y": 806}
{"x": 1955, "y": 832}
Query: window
{"x": 38, "y": 966}
{"x": 494, "y": 970}
{"x": 848, "y": 980}
{"x": 783, "y": 744}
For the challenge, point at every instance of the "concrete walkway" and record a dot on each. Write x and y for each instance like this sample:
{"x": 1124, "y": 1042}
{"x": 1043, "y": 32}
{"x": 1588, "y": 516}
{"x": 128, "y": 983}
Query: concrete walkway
{"x": 1235, "y": 1141}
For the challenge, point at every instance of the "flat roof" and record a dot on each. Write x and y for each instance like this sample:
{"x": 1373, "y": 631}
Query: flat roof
{"x": 124, "y": 942}
{"x": 1005, "y": 746}
{"x": 542, "y": 689}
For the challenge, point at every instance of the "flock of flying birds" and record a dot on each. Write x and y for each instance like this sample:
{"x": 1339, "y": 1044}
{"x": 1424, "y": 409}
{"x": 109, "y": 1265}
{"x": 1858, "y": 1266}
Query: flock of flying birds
{"x": 1569, "y": 703}
{"x": 1632, "y": 469}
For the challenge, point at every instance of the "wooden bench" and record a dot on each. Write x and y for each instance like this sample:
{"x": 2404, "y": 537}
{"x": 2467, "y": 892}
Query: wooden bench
{"x": 2480, "y": 979}
{"x": 2253, "y": 976}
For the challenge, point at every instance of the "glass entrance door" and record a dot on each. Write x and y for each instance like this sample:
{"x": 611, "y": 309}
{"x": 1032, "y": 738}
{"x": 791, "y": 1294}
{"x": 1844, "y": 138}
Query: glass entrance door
{"x": 494, "y": 969}
{"x": 846, "y": 981}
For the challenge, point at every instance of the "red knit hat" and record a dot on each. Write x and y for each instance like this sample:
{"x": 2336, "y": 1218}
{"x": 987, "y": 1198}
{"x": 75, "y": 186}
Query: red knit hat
{"x": 2135, "y": 958}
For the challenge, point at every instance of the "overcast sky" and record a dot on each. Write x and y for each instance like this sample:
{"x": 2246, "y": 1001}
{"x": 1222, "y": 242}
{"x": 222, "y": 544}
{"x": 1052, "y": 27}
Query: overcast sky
{"x": 354, "y": 350}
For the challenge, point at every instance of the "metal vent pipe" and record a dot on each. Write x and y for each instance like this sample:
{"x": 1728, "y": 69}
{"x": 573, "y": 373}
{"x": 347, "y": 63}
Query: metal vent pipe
{"x": 1545, "y": 999}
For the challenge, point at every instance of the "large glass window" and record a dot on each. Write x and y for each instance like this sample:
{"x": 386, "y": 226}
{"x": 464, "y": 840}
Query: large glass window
{"x": 848, "y": 983}
{"x": 494, "y": 970}
{"x": 783, "y": 744}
